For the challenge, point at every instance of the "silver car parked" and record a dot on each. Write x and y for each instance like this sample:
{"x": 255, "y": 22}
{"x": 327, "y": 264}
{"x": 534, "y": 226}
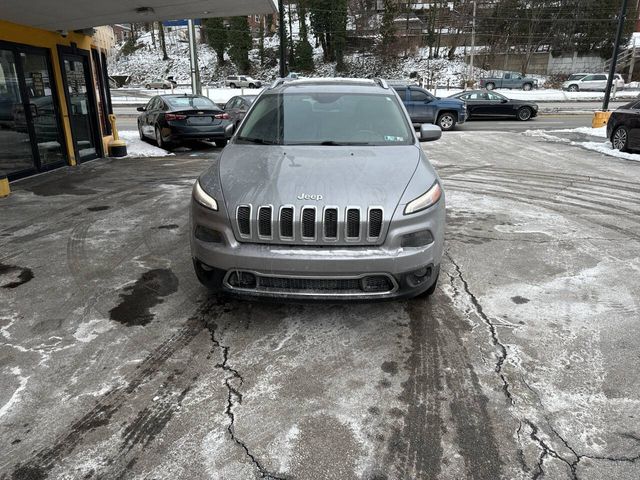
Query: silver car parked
{"x": 323, "y": 193}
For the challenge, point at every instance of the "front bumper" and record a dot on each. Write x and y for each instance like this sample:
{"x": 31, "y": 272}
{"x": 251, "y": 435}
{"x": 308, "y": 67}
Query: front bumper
{"x": 410, "y": 270}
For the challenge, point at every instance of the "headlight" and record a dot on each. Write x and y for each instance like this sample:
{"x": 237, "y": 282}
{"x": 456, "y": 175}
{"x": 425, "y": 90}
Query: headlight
{"x": 203, "y": 198}
{"x": 425, "y": 200}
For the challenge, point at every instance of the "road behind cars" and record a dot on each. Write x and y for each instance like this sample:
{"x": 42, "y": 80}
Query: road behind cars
{"x": 124, "y": 366}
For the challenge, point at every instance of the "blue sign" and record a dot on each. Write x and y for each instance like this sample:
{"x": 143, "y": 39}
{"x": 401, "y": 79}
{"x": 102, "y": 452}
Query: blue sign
{"x": 180, "y": 23}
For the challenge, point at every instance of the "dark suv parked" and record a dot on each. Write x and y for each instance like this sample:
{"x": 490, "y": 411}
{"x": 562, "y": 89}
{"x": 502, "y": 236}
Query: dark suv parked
{"x": 423, "y": 107}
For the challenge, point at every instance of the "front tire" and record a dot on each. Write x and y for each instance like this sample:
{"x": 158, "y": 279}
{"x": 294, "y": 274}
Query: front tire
{"x": 573, "y": 88}
{"x": 620, "y": 139}
{"x": 524, "y": 114}
{"x": 526, "y": 87}
{"x": 140, "y": 133}
{"x": 251, "y": 85}
{"x": 446, "y": 121}
{"x": 147, "y": 86}
{"x": 491, "y": 86}
{"x": 232, "y": 85}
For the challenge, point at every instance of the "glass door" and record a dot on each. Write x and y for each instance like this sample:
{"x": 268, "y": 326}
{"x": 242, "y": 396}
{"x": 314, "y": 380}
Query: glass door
{"x": 43, "y": 109}
{"x": 81, "y": 105}
{"x": 16, "y": 153}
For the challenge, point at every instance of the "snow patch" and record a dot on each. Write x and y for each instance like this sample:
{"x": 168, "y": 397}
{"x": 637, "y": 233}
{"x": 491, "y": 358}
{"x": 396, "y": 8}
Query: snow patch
{"x": 139, "y": 148}
{"x": 87, "y": 331}
{"x": 15, "y": 398}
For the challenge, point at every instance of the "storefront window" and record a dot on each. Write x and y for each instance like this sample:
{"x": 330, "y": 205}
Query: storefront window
{"x": 43, "y": 108}
{"x": 16, "y": 153}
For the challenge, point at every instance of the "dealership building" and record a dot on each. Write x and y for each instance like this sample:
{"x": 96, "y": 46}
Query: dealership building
{"x": 54, "y": 89}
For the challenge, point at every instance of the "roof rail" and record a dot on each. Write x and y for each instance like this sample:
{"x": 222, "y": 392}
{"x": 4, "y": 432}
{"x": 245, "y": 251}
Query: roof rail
{"x": 381, "y": 81}
{"x": 277, "y": 82}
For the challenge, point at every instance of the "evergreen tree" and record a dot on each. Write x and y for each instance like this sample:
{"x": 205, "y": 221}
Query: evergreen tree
{"x": 329, "y": 24}
{"x": 387, "y": 27}
{"x": 217, "y": 37}
{"x": 303, "y": 49}
{"x": 240, "y": 43}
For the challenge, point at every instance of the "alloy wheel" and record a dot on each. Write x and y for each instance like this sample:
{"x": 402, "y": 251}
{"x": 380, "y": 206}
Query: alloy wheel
{"x": 446, "y": 121}
{"x": 620, "y": 139}
{"x": 524, "y": 114}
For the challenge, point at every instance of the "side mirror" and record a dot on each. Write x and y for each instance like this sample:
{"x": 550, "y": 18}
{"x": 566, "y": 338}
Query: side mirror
{"x": 229, "y": 130}
{"x": 141, "y": 109}
{"x": 429, "y": 132}
{"x": 504, "y": 100}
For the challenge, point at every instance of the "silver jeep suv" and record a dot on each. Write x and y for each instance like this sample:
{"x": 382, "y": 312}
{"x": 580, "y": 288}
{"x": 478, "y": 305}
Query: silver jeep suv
{"x": 322, "y": 193}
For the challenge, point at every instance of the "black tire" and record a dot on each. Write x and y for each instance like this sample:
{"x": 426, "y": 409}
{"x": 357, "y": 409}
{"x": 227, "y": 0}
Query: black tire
{"x": 212, "y": 279}
{"x": 573, "y": 88}
{"x": 147, "y": 86}
{"x": 446, "y": 121}
{"x": 142, "y": 137}
{"x": 524, "y": 114}
{"x": 160, "y": 142}
{"x": 221, "y": 143}
{"x": 620, "y": 139}
{"x": 232, "y": 85}
{"x": 251, "y": 85}
{"x": 527, "y": 87}
{"x": 491, "y": 86}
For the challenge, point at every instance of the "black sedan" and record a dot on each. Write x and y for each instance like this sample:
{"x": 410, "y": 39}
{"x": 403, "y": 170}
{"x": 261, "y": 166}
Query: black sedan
{"x": 623, "y": 127}
{"x": 484, "y": 104}
{"x": 237, "y": 107}
{"x": 171, "y": 119}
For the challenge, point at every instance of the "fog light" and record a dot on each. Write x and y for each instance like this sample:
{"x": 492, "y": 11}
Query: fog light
{"x": 207, "y": 235}
{"x": 419, "y": 276}
{"x": 417, "y": 239}
{"x": 242, "y": 280}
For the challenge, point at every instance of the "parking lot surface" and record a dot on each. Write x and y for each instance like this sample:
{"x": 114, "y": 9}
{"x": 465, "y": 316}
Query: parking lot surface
{"x": 116, "y": 363}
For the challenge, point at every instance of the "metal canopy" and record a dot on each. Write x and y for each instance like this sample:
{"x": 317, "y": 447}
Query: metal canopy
{"x": 80, "y": 14}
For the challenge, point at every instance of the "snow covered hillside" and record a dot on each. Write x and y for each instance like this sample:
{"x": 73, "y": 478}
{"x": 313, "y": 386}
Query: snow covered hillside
{"x": 146, "y": 64}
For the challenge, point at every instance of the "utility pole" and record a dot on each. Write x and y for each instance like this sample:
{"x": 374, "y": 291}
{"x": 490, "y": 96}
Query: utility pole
{"x": 283, "y": 54}
{"x": 614, "y": 58}
{"x": 196, "y": 89}
{"x": 473, "y": 41}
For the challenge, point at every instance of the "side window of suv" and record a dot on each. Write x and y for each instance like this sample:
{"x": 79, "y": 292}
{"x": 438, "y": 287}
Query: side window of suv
{"x": 402, "y": 93}
{"x": 588, "y": 78}
{"x": 599, "y": 77}
{"x": 420, "y": 96}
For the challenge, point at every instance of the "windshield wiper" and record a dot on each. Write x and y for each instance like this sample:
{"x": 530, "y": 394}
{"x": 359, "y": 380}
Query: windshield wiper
{"x": 258, "y": 141}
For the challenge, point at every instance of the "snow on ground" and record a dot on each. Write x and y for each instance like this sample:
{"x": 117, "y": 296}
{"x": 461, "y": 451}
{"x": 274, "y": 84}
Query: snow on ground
{"x": 139, "y": 148}
{"x": 600, "y": 147}
{"x": 594, "y": 132}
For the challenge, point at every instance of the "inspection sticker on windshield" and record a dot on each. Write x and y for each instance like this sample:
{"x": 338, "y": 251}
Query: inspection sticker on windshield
{"x": 391, "y": 138}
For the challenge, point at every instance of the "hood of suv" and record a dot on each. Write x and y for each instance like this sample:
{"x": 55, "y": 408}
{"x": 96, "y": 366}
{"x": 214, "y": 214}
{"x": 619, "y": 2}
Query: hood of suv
{"x": 316, "y": 175}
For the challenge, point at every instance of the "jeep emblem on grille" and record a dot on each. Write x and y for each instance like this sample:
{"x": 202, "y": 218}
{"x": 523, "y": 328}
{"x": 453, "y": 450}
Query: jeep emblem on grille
{"x": 306, "y": 196}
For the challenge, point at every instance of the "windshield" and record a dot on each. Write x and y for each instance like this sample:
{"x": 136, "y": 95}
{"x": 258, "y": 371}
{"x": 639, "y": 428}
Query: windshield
{"x": 326, "y": 119}
{"x": 190, "y": 102}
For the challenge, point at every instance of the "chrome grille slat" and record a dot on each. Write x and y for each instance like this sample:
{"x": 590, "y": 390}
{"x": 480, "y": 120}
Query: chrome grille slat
{"x": 264, "y": 221}
{"x": 243, "y": 214}
{"x": 286, "y": 222}
{"x": 375, "y": 222}
{"x": 330, "y": 223}
{"x": 353, "y": 223}
{"x": 310, "y": 224}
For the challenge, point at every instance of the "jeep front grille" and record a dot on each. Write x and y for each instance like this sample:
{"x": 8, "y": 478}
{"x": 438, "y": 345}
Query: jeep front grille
{"x": 309, "y": 224}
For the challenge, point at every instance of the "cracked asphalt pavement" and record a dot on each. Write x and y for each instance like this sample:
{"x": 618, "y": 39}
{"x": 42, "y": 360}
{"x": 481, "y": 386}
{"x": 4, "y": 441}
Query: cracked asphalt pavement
{"x": 525, "y": 364}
